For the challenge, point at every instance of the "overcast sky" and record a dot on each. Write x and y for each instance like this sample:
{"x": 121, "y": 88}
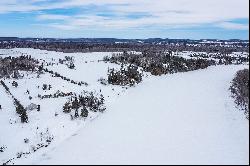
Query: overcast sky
{"x": 194, "y": 19}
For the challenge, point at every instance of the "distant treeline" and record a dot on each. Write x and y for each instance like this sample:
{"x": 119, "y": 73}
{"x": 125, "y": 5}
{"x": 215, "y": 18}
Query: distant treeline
{"x": 65, "y": 46}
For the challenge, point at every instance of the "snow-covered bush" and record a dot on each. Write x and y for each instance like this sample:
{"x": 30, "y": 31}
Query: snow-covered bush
{"x": 68, "y": 61}
{"x": 15, "y": 84}
{"x": 26, "y": 140}
{"x": 2, "y": 148}
{"x": 46, "y": 87}
{"x": 240, "y": 90}
{"x": 103, "y": 81}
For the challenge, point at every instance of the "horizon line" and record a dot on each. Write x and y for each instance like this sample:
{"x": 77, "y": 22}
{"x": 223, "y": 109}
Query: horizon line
{"x": 120, "y": 38}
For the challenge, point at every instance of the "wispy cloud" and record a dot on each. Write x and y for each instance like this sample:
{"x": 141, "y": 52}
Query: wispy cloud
{"x": 62, "y": 27}
{"x": 127, "y": 14}
{"x": 52, "y": 17}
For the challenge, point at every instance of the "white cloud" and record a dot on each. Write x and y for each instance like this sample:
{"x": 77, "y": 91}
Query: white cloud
{"x": 165, "y": 13}
{"x": 62, "y": 27}
{"x": 234, "y": 26}
{"x": 52, "y": 17}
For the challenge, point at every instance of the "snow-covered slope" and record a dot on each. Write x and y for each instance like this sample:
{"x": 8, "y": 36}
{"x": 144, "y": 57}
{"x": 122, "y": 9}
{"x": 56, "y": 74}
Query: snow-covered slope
{"x": 186, "y": 118}
{"x": 51, "y": 117}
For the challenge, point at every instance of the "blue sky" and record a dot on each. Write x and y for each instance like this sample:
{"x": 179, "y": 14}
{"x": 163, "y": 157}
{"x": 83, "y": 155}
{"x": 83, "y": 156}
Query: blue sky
{"x": 194, "y": 19}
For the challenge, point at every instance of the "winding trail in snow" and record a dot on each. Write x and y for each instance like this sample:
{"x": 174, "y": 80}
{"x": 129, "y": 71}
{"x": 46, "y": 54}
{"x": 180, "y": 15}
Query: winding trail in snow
{"x": 185, "y": 118}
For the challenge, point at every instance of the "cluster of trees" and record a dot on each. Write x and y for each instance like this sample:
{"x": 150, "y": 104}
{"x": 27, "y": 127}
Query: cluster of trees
{"x": 240, "y": 90}
{"x": 55, "y": 74}
{"x": 68, "y": 61}
{"x": 10, "y": 66}
{"x": 179, "y": 64}
{"x": 82, "y": 104}
{"x": 158, "y": 63}
{"x": 223, "y": 59}
{"x": 129, "y": 75}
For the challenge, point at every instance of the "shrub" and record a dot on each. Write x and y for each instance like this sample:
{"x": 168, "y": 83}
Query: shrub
{"x": 15, "y": 84}
{"x": 2, "y": 148}
{"x": 103, "y": 81}
{"x": 84, "y": 112}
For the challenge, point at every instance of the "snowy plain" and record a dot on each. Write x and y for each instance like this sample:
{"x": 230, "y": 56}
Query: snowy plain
{"x": 184, "y": 118}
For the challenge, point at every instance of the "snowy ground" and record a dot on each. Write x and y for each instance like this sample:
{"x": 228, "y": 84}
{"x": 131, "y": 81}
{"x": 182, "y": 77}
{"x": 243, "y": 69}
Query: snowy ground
{"x": 185, "y": 118}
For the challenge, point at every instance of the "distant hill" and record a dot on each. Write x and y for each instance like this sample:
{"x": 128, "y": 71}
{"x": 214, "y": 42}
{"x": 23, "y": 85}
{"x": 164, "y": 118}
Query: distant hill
{"x": 115, "y": 40}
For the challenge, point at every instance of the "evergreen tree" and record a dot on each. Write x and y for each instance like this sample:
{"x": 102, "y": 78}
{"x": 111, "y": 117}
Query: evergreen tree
{"x": 76, "y": 113}
{"x": 84, "y": 112}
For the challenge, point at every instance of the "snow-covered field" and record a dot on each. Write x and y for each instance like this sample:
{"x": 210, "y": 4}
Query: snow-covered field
{"x": 184, "y": 118}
